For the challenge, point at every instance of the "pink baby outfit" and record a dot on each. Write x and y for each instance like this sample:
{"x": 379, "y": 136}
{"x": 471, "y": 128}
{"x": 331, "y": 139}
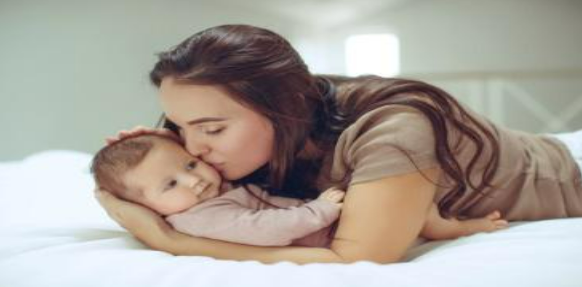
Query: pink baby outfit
{"x": 237, "y": 216}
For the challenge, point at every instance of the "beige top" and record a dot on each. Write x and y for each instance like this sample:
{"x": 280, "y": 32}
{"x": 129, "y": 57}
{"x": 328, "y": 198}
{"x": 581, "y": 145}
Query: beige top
{"x": 537, "y": 177}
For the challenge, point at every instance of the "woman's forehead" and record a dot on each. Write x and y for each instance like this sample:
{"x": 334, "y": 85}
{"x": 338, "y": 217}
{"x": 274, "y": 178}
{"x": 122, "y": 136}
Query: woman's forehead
{"x": 184, "y": 102}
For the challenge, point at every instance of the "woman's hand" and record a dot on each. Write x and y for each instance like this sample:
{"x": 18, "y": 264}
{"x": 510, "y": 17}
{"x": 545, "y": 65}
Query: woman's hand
{"x": 145, "y": 224}
{"x": 141, "y": 130}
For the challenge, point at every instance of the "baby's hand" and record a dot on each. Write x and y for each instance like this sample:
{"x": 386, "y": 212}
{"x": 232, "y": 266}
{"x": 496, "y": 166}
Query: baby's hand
{"x": 333, "y": 195}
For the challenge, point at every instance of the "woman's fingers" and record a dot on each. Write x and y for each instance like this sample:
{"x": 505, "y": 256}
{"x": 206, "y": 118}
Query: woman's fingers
{"x": 145, "y": 224}
{"x": 110, "y": 140}
{"x": 105, "y": 198}
{"x": 110, "y": 203}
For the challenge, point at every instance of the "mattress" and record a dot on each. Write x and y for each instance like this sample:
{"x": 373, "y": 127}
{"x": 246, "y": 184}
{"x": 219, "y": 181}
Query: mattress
{"x": 54, "y": 233}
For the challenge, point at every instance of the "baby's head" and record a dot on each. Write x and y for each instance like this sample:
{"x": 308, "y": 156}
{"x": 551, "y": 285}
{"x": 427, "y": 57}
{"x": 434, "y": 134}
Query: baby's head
{"x": 155, "y": 171}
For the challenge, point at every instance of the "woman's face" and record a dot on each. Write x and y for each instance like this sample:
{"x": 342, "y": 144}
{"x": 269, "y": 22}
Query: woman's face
{"x": 232, "y": 138}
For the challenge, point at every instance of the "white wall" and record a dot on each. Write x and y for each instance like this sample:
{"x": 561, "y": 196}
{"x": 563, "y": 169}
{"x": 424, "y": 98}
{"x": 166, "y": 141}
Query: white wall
{"x": 518, "y": 62}
{"x": 471, "y": 35}
{"x": 73, "y": 72}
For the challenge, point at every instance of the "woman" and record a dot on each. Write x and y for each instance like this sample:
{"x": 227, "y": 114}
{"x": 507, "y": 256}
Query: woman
{"x": 242, "y": 99}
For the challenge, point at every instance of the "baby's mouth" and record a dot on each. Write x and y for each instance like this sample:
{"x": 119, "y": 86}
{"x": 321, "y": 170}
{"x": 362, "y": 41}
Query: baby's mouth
{"x": 200, "y": 187}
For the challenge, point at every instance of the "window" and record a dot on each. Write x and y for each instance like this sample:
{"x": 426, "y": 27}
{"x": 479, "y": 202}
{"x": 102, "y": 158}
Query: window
{"x": 377, "y": 54}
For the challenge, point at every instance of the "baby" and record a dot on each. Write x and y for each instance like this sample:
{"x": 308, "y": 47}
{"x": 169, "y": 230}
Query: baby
{"x": 159, "y": 173}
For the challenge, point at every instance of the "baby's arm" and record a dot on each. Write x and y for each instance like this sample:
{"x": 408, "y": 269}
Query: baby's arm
{"x": 267, "y": 227}
{"x": 438, "y": 228}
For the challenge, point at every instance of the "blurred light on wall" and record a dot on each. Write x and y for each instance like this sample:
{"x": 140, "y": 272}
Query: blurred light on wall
{"x": 377, "y": 54}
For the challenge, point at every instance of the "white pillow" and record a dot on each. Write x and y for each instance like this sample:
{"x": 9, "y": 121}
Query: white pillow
{"x": 50, "y": 188}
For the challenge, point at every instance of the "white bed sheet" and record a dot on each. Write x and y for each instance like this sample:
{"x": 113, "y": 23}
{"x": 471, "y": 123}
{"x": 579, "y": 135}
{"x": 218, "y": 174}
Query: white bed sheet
{"x": 53, "y": 233}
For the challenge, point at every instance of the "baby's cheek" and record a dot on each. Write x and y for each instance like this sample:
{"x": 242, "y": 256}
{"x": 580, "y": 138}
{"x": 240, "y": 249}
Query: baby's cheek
{"x": 178, "y": 202}
{"x": 188, "y": 199}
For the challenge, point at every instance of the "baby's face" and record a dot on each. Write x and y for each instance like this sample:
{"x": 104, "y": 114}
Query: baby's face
{"x": 172, "y": 180}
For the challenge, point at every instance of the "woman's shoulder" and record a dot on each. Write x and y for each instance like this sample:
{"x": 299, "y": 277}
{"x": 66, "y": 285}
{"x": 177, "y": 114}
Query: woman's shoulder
{"x": 389, "y": 140}
{"x": 395, "y": 124}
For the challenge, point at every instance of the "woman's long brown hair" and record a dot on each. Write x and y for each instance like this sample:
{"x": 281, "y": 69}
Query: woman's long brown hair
{"x": 259, "y": 69}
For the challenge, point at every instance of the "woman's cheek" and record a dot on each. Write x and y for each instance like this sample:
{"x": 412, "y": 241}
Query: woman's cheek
{"x": 245, "y": 152}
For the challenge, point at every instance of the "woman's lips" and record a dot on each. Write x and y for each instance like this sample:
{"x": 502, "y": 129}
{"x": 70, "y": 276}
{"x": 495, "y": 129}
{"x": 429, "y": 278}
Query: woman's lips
{"x": 217, "y": 166}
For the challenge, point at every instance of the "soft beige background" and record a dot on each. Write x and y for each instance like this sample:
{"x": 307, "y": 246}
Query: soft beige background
{"x": 73, "y": 72}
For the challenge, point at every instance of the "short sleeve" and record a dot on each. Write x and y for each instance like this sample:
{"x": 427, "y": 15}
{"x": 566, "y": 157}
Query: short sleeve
{"x": 388, "y": 141}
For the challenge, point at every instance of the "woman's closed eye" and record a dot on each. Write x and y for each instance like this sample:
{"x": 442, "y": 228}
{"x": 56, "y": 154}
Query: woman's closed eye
{"x": 212, "y": 130}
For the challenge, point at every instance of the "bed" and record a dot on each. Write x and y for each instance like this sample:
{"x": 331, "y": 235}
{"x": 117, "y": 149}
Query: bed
{"x": 53, "y": 233}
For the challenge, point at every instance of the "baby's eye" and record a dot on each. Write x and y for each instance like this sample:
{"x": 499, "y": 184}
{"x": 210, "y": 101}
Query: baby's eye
{"x": 191, "y": 165}
{"x": 171, "y": 185}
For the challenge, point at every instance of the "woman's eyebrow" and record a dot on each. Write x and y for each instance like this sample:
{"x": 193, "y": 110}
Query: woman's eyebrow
{"x": 204, "y": 120}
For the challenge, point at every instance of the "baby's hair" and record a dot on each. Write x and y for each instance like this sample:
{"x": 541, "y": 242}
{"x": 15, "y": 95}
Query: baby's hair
{"x": 111, "y": 162}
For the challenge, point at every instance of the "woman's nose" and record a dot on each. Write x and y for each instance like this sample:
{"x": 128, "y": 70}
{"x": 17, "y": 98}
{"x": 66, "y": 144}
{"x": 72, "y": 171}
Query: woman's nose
{"x": 197, "y": 149}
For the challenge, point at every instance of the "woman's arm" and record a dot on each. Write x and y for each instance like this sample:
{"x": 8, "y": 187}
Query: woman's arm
{"x": 181, "y": 244}
{"x": 146, "y": 225}
{"x": 379, "y": 221}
